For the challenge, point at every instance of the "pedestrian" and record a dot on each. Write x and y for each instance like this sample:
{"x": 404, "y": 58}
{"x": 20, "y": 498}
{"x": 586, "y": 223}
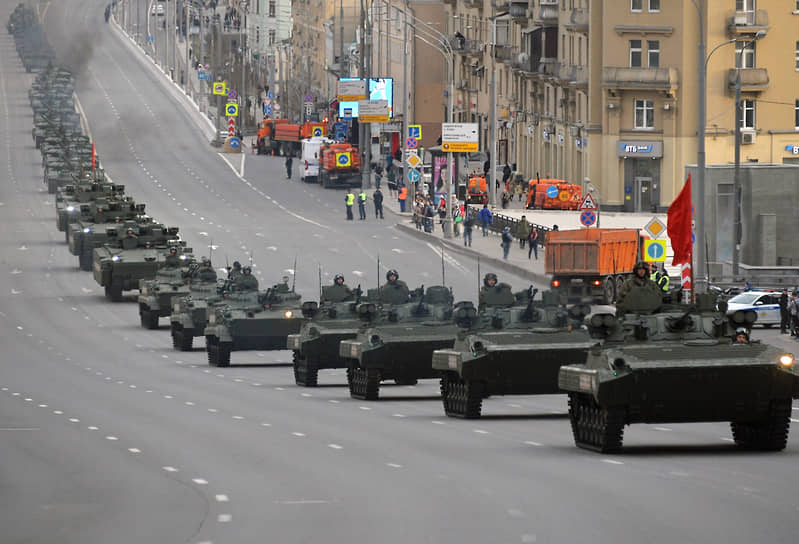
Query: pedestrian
{"x": 349, "y": 200}
{"x": 289, "y": 162}
{"x": 362, "y": 205}
{"x": 377, "y": 198}
{"x": 793, "y": 309}
{"x": 506, "y": 172}
{"x": 486, "y": 218}
{"x": 429, "y": 214}
{"x": 402, "y": 195}
{"x": 522, "y": 231}
{"x": 519, "y": 190}
{"x": 507, "y": 240}
{"x": 533, "y": 243}
{"x": 457, "y": 219}
{"x": 747, "y": 285}
{"x": 785, "y": 315}
{"x": 468, "y": 225}
{"x": 505, "y": 199}
{"x": 392, "y": 183}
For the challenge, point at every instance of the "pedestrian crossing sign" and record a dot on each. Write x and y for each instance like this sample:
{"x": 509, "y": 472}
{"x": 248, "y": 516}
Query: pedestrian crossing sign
{"x": 343, "y": 160}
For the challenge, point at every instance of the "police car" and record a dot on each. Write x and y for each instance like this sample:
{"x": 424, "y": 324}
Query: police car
{"x": 765, "y": 303}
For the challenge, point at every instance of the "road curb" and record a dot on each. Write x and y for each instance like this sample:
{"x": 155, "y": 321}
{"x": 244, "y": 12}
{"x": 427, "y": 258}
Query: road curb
{"x": 492, "y": 262}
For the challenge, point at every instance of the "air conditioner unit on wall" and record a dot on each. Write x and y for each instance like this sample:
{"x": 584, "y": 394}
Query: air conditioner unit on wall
{"x": 748, "y": 137}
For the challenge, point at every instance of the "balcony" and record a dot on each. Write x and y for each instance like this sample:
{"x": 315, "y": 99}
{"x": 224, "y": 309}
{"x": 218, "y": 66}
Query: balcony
{"x": 747, "y": 22}
{"x": 504, "y": 53}
{"x": 663, "y": 79}
{"x": 517, "y": 9}
{"x": 463, "y": 46}
{"x": 753, "y": 80}
{"x": 549, "y": 67}
{"x": 547, "y": 13}
{"x": 525, "y": 63}
{"x": 578, "y": 21}
{"x": 473, "y": 3}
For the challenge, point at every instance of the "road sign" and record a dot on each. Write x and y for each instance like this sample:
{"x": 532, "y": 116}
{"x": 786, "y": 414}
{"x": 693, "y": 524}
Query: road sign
{"x": 413, "y": 159}
{"x": 309, "y": 97}
{"x": 232, "y": 94}
{"x": 150, "y": 39}
{"x": 552, "y": 191}
{"x": 234, "y": 143}
{"x": 655, "y": 251}
{"x": 373, "y": 111}
{"x": 564, "y": 196}
{"x": 343, "y": 159}
{"x": 415, "y": 131}
{"x": 317, "y": 131}
{"x": 231, "y": 126}
{"x": 267, "y": 110}
{"x": 201, "y": 76}
{"x": 588, "y": 218}
{"x": 340, "y": 131}
{"x": 351, "y": 91}
{"x": 411, "y": 143}
{"x": 655, "y": 228}
{"x": 459, "y": 137}
{"x": 270, "y": 95}
{"x": 220, "y": 88}
{"x": 588, "y": 203}
{"x": 414, "y": 175}
{"x": 231, "y": 110}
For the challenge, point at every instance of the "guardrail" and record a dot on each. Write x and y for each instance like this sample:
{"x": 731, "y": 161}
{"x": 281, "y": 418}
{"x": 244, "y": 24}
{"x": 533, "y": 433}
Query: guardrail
{"x": 501, "y": 221}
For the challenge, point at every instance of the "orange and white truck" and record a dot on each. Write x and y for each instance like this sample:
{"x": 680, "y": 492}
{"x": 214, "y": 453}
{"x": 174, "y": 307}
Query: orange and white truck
{"x": 340, "y": 166}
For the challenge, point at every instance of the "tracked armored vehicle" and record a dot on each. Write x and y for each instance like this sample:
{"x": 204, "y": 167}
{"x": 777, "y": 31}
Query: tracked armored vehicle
{"x": 659, "y": 363}
{"x": 400, "y": 346}
{"x": 81, "y": 202}
{"x": 171, "y": 283}
{"x": 264, "y": 326}
{"x": 85, "y": 235}
{"x": 511, "y": 350}
{"x": 334, "y": 319}
{"x": 134, "y": 254}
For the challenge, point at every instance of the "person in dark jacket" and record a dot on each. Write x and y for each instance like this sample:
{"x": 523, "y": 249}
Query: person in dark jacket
{"x": 785, "y": 315}
{"x": 486, "y": 218}
{"x": 377, "y": 197}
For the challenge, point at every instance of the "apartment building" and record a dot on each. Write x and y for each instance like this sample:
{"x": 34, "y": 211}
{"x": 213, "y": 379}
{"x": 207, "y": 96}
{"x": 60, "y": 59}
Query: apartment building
{"x": 607, "y": 90}
{"x": 268, "y": 24}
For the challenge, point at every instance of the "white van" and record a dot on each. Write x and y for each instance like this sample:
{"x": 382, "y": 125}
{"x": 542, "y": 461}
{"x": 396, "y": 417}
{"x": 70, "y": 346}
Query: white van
{"x": 311, "y": 158}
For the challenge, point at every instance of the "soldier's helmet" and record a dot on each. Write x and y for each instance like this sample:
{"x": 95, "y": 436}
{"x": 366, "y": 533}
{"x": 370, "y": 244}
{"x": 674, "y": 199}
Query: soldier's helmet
{"x": 337, "y": 278}
{"x": 246, "y": 270}
{"x": 741, "y": 336}
{"x": 390, "y": 273}
{"x": 236, "y": 265}
{"x": 206, "y": 261}
{"x": 641, "y": 265}
{"x": 489, "y": 277}
{"x": 173, "y": 250}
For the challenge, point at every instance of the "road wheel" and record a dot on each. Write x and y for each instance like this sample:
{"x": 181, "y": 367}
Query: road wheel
{"x": 619, "y": 282}
{"x": 306, "y": 371}
{"x": 212, "y": 348}
{"x": 85, "y": 261}
{"x": 609, "y": 290}
{"x": 177, "y": 334}
{"x": 365, "y": 383}
{"x": 595, "y": 428}
{"x": 224, "y": 349}
{"x": 149, "y": 319}
{"x": 768, "y": 434}
{"x": 465, "y": 398}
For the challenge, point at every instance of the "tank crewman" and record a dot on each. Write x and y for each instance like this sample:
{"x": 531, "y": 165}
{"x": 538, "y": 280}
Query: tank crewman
{"x": 338, "y": 292}
{"x": 246, "y": 281}
{"x": 130, "y": 240}
{"x": 661, "y": 279}
{"x": 494, "y": 293}
{"x": 234, "y": 273}
{"x": 172, "y": 260}
{"x": 741, "y": 336}
{"x": 395, "y": 291}
{"x": 640, "y": 279}
{"x": 283, "y": 286}
{"x": 206, "y": 272}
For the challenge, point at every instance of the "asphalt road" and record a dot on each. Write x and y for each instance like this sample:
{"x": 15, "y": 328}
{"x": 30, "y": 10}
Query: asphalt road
{"x": 108, "y": 435}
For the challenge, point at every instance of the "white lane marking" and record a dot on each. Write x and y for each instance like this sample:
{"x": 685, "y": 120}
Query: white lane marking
{"x": 19, "y": 428}
{"x": 170, "y": 469}
{"x": 662, "y": 429}
{"x": 58, "y": 412}
{"x": 306, "y": 395}
{"x": 532, "y": 443}
{"x": 237, "y": 417}
{"x": 213, "y": 410}
{"x": 189, "y": 403}
{"x": 112, "y": 438}
{"x": 393, "y": 465}
{"x": 298, "y": 434}
{"x": 42, "y": 406}
{"x": 74, "y": 420}
{"x": 397, "y": 415}
{"x": 280, "y": 388}
{"x": 93, "y": 428}
{"x": 28, "y": 399}
{"x": 612, "y": 462}
{"x": 364, "y": 407}
{"x": 437, "y": 422}
{"x": 167, "y": 396}
{"x": 727, "y": 439}
{"x": 224, "y": 518}
{"x": 134, "y": 450}
{"x": 795, "y": 420}
{"x": 335, "y": 446}
{"x": 303, "y": 501}
{"x": 333, "y": 401}
{"x": 480, "y": 431}
{"x": 221, "y": 498}
{"x": 199, "y": 481}
{"x": 266, "y": 424}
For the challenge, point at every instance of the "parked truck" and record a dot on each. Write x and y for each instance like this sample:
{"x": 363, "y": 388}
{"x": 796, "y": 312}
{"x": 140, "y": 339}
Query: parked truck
{"x": 590, "y": 262}
{"x": 340, "y": 166}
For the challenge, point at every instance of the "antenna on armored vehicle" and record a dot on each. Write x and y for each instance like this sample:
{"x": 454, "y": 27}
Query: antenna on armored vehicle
{"x": 443, "y": 277}
{"x": 211, "y": 249}
{"x": 377, "y": 278}
{"x": 294, "y": 281}
{"x": 478, "y": 273}
{"x": 320, "y": 279}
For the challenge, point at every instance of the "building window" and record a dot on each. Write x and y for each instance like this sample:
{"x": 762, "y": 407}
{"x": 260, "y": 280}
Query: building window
{"x": 748, "y": 114}
{"x": 272, "y": 7}
{"x": 748, "y": 59}
{"x": 654, "y": 6}
{"x": 796, "y": 115}
{"x": 653, "y": 53}
{"x": 797, "y": 53}
{"x": 644, "y": 114}
{"x": 271, "y": 36}
{"x": 257, "y": 34}
{"x": 635, "y": 53}
{"x": 636, "y": 5}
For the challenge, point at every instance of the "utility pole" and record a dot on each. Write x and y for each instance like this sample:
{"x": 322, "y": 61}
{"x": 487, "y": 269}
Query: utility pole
{"x": 492, "y": 129}
{"x": 186, "y": 86}
{"x": 405, "y": 119}
{"x": 364, "y": 129}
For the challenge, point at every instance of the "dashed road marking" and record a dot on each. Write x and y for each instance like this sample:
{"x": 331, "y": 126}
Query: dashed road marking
{"x": 170, "y": 469}
{"x": 221, "y": 498}
{"x": 612, "y": 462}
{"x": 335, "y": 446}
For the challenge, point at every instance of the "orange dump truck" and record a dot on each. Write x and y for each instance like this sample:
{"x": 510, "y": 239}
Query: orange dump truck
{"x": 477, "y": 190}
{"x": 553, "y": 194}
{"x": 590, "y": 262}
{"x": 340, "y": 166}
{"x": 311, "y": 130}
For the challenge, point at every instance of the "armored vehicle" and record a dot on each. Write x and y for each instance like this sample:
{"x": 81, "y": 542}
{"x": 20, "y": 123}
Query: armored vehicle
{"x": 85, "y": 236}
{"x": 190, "y": 313}
{"x": 511, "y": 350}
{"x": 170, "y": 283}
{"x": 131, "y": 255}
{"x": 663, "y": 363}
{"x": 74, "y": 202}
{"x": 331, "y": 321}
{"x": 263, "y": 326}
{"x": 399, "y": 348}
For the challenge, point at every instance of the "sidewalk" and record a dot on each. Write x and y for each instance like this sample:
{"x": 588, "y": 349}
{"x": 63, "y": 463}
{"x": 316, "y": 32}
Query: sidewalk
{"x": 486, "y": 248}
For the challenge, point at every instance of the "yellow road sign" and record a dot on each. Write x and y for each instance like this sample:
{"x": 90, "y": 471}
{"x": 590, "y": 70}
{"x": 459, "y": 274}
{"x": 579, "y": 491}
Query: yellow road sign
{"x": 231, "y": 110}
{"x": 343, "y": 160}
{"x": 459, "y": 147}
{"x": 655, "y": 251}
{"x": 220, "y": 88}
{"x": 372, "y": 118}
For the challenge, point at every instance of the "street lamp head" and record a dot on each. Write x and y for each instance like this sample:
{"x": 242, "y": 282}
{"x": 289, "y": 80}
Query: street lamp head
{"x": 760, "y": 34}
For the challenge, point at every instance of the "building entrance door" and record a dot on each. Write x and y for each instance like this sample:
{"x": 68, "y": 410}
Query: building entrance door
{"x": 642, "y": 194}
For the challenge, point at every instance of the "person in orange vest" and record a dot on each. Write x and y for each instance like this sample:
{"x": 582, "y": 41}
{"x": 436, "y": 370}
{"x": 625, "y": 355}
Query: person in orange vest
{"x": 402, "y": 195}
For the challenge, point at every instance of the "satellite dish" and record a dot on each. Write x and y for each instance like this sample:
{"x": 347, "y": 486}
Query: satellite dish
{"x": 523, "y": 58}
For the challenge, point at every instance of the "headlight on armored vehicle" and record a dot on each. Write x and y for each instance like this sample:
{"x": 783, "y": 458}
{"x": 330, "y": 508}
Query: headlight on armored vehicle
{"x": 70, "y": 208}
{"x": 288, "y": 314}
{"x": 115, "y": 258}
{"x": 87, "y": 230}
{"x": 786, "y": 359}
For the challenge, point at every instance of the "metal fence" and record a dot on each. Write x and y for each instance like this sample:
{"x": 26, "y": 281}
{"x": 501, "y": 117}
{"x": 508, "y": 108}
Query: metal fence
{"x": 501, "y": 221}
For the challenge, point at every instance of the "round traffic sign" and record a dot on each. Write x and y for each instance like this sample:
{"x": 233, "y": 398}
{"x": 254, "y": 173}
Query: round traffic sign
{"x": 552, "y": 191}
{"x": 654, "y": 250}
{"x": 587, "y": 218}
{"x": 232, "y": 109}
{"x": 411, "y": 143}
{"x": 564, "y": 196}
{"x": 317, "y": 131}
{"x": 343, "y": 159}
{"x": 234, "y": 142}
{"x": 309, "y": 97}
{"x": 232, "y": 94}
{"x": 414, "y": 175}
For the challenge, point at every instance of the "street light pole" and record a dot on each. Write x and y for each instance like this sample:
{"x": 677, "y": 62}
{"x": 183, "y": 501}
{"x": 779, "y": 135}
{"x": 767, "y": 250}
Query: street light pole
{"x": 701, "y": 258}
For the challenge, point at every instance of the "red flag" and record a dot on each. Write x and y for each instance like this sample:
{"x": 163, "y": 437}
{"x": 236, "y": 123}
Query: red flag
{"x": 679, "y": 225}
{"x": 92, "y": 155}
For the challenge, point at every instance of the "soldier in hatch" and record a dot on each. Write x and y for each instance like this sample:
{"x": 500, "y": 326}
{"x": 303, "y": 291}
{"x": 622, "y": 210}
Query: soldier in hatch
{"x": 246, "y": 281}
{"x": 337, "y": 292}
{"x": 234, "y": 273}
{"x": 493, "y": 293}
{"x": 283, "y": 286}
{"x": 640, "y": 279}
{"x": 206, "y": 272}
{"x": 172, "y": 260}
{"x": 130, "y": 240}
{"x": 395, "y": 291}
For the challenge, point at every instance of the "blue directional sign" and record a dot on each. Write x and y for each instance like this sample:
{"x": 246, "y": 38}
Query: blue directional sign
{"x": 340, "y": 131}
{"x": 415, "y": 131}
{"x": 268, "y": 110}
{"x": 234, "y": 143}
{"x": 317, "y": 131}
{"x": 232, "y": 110}
{"x": 655, "y": 250}
{"x": 150, "y": 38}
{"x": 201, "y": 76}
{"x": 552, "y": 191}
{"x": 414, "y": 175}
{"x": 270, "y": 95}
{"x": 587, "y": 218}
